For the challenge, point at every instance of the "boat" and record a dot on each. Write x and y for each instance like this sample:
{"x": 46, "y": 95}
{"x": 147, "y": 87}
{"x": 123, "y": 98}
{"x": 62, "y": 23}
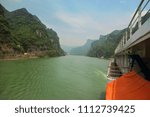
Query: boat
{"x": 129, "y": 69}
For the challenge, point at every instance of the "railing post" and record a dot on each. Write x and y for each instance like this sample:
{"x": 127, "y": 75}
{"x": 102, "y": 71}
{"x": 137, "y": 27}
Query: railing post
{"x": 123, "y": 39}
{"x": 121, "y": 43}
{"x": 126, "y": 36}
{"x": 130, "y": 31}
{"x": 139, "y": 17}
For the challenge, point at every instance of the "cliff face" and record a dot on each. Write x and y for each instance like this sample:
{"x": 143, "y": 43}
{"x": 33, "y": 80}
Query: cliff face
{"x": 22, "y": 32}
{"x": 105, "y": 46}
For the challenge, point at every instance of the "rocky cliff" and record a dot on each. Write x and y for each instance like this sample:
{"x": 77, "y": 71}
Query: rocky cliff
{"x": 22, "y": 33}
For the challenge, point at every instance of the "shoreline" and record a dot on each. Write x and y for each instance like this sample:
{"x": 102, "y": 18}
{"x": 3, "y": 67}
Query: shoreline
{"x": 17, "y": 58}
{"x": 24, "y": 57}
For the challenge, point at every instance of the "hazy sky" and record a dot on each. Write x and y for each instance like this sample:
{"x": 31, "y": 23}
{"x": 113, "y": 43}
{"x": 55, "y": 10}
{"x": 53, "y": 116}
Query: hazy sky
{"x": 75, "y": 21}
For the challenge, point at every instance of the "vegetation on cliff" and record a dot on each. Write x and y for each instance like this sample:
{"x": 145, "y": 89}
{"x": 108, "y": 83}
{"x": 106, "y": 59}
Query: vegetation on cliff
{"x": 105, "y": 46}
{"x": 22, "y": 32}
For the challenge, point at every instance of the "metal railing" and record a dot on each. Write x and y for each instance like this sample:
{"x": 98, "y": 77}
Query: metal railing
{"x": 136, "y": 22}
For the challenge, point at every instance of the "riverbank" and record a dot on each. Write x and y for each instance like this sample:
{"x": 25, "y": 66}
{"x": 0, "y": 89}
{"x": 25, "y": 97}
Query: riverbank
{"x": 18, "y": 57}
{"x": 39, "y": 54}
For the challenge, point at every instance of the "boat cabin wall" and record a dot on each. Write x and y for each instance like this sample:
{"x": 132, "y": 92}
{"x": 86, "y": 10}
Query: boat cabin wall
{"x": 142, "y": 49}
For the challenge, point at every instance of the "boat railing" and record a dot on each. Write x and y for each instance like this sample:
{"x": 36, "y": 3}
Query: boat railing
{"x": 141, "y": 16}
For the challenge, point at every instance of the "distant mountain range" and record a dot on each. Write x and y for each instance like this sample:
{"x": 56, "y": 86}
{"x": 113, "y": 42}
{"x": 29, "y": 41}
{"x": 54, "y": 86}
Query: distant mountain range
{"x": 67, "y": 48}
{"x": 82, "y": 50}
{"x": 103, "y": 47}
{"x": 21, "y": 32}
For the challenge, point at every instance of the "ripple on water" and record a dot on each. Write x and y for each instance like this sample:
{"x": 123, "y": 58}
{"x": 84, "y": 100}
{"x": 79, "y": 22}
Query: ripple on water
{"x": 69, "y": 77}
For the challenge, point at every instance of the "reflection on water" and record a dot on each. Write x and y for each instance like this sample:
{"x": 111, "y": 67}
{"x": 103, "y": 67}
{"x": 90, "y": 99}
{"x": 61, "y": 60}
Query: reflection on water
{"x": 69, "y": 77}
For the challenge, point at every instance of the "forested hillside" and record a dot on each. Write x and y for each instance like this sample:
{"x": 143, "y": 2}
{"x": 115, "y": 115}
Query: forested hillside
{"x": 105, "y": 46}
{"x": 23, "y": 33}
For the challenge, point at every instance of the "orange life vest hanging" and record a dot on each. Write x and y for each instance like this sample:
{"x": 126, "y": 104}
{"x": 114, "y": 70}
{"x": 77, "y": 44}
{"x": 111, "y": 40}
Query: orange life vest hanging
{"x": 130, "y": 86}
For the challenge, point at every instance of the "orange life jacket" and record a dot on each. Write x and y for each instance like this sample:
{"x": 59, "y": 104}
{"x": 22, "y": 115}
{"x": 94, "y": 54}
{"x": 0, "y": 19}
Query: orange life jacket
{"x": 130, "y": 86}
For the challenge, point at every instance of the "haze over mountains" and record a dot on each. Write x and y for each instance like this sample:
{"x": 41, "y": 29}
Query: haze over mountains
{"x": 103, "y": 47}
{"x": 22, "y": 32}
{"x": 82, "y": 50}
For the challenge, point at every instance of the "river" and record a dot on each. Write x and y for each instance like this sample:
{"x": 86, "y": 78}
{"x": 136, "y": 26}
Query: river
{"x": 67, "y": 77}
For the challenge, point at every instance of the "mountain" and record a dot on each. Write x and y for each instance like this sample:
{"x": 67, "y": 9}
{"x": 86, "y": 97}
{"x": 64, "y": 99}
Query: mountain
{"x": 21, "y": 32}
{"x": 82, "y": 50}
{"x": 6, "y": 38}
{"x": 67, "y": 48}
{"x": 105, "y": 46}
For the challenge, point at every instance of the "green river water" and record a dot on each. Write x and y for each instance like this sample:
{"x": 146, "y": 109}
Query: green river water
{"x": 67, "y": 77}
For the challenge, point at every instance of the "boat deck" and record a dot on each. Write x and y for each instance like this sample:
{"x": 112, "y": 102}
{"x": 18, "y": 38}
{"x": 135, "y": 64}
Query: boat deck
{"x": 113, "y": 71}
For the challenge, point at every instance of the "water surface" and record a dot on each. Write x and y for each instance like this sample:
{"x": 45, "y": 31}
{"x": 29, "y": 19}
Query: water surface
{"x": 68, "y": 77}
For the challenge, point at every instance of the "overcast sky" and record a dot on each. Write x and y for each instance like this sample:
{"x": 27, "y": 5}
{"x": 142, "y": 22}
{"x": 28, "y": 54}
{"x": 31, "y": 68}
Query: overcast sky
{"x": 75, "y": 21}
